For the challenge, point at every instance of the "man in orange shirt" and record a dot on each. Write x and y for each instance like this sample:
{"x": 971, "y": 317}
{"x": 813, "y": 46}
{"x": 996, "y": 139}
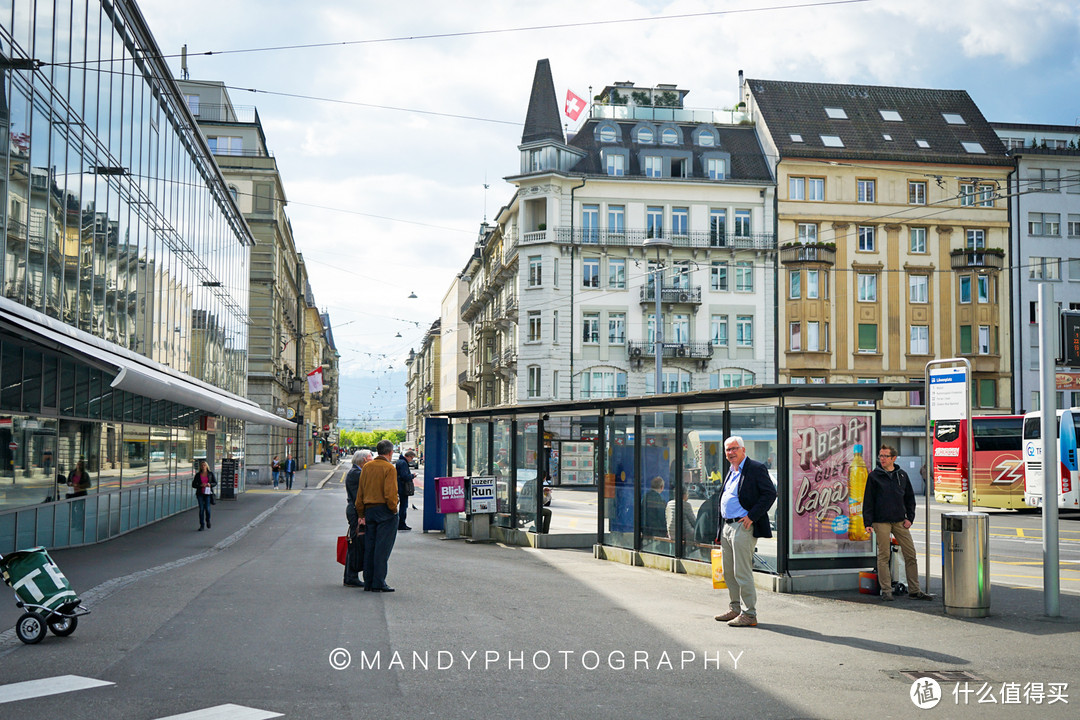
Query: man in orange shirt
{"x": 377, "y": 503}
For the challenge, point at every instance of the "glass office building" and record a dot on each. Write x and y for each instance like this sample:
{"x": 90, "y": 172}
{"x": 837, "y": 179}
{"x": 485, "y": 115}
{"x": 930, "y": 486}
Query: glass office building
{"x": 123, "y": 281}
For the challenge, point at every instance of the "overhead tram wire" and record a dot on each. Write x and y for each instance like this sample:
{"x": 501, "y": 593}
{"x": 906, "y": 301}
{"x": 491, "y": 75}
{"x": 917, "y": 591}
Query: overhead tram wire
{"x": 498, "y": 31}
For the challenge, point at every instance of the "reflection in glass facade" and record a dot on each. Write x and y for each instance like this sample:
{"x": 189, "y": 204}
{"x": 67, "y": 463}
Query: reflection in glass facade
{"x": 115, "y": 221}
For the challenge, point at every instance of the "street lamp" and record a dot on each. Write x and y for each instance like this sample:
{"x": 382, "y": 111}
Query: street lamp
{"x": 660, "y": 244}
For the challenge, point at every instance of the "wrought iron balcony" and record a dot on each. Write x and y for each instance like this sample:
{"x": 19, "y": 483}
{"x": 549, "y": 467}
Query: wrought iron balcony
{"x": 637, "y": 238}
{"x": 990, "y": 259}
{"x": 808, "y": 253}
{"x": 691, "y": 295}
{"x": 698, "y": 351}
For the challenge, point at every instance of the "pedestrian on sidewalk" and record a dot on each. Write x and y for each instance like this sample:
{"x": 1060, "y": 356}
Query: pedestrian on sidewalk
{"x": 204, "y": 483}
{"x": 376, "y": 502}
{"x": 405, "y": 478}
{"x": 275, "y": 470}
{"x": 889, "y": 508}
{"x": 289, "y": 469}
{"x": 748, "y": 493}
{"x": 354, "y": 560}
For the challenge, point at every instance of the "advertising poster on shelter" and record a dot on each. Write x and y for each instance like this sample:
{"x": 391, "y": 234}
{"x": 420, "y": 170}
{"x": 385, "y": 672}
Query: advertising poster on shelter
{"x": 831, "y": 454}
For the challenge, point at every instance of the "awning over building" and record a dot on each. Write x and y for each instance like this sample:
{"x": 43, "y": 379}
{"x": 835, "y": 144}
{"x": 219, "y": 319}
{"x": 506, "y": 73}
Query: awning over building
{"x": 136, "y": 374}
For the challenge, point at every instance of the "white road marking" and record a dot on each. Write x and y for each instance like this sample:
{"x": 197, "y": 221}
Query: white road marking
{"x": 47, "y": 686}
{"x": 225, "y": 712}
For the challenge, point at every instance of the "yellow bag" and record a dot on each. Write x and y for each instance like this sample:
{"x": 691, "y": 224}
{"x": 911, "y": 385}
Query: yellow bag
{"x": 718, "y": 569}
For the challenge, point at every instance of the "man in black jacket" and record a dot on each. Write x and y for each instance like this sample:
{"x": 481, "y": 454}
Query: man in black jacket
{"x": 404, "y": 475}
{"x": 889, "y": 507}
{"x": 745, "y": 500}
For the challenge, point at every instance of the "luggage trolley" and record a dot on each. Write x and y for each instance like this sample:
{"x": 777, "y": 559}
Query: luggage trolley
{"x": 44, "y": 592}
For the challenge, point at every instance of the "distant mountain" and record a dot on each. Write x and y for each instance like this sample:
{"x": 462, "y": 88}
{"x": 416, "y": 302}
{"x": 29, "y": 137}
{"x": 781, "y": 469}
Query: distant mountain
{"x": 373, "y": 401}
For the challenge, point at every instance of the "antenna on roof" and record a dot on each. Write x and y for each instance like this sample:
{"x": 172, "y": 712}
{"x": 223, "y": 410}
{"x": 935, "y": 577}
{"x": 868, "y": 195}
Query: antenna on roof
{"x": 183, "y": 63}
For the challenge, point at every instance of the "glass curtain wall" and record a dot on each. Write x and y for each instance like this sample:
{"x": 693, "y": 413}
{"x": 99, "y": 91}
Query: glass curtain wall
{"x": 527, "y": 441}
{"x": 113, "y": 220}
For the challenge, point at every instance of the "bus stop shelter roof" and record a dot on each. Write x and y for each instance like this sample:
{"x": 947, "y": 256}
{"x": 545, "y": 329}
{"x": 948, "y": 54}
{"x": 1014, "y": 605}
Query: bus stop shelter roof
{"x": 749, "y": 396}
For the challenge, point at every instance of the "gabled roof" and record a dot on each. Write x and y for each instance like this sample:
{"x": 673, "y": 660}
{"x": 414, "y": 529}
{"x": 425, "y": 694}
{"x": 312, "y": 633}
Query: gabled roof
{"x": 942, "y": 119}
{"x": 542, "y": 121}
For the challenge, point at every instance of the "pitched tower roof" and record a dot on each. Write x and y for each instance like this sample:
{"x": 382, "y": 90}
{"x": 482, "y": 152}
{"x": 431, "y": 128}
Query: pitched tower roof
{"x": 542, "y": 122}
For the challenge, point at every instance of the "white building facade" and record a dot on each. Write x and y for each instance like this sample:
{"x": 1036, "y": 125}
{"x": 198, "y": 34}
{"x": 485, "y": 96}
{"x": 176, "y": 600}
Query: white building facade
{"x": 1044, "y": 217}
{"x": 563, "y": 287}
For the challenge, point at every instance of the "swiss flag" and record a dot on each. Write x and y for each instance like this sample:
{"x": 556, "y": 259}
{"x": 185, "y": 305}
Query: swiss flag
{"x": 574, "y": 105}
{"x": 315, "y": 381}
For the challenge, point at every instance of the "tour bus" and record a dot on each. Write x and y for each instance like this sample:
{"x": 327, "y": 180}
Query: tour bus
{"x": 998, "y": 472}
{"x": 1068, "y": 477}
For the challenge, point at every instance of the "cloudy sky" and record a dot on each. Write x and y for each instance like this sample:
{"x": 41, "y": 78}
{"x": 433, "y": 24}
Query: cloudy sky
{"x": 386, "y": 155}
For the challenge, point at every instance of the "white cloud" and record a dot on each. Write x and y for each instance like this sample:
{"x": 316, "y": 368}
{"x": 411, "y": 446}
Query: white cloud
{"x": 430, "y": 169}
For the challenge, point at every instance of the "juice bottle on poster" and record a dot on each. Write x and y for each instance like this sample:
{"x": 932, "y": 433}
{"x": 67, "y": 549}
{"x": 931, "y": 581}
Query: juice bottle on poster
{"x": 856, "y": 487}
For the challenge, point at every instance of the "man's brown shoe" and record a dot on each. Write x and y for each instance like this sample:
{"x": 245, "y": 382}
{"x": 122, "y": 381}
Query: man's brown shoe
{"x": 729, "y": 615}
{"x": 744, "y": 620}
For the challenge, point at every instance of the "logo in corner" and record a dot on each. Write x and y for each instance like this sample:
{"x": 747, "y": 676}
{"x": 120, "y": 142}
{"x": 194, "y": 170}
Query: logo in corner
{"x": 925, "y": 693}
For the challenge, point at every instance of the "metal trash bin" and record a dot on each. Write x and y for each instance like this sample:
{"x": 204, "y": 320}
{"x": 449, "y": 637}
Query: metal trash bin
{"x": 965, "y": 550}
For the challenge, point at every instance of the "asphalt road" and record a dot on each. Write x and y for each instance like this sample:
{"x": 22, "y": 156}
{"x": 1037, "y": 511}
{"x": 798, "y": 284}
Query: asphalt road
{"x": 250, "y": 620}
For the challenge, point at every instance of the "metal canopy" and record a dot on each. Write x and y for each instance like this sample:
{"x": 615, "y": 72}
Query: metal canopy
{"x": 751, "y": 396}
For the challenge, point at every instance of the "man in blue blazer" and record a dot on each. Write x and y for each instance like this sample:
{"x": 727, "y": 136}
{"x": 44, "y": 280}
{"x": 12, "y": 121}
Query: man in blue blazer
{"x": 747, "y": 495}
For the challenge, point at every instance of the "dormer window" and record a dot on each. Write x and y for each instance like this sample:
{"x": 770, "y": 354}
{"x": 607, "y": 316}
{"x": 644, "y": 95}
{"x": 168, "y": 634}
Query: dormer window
{"x": 669, "y": 136}
{"x": 706, "y": 138}
{"x": 607, "y": 134}
{"x": 836, "y": 113}
{"x": 645, "y": 135}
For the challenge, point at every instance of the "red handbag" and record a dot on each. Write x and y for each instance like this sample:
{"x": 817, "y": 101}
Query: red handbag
{"x": 342, "y": 548}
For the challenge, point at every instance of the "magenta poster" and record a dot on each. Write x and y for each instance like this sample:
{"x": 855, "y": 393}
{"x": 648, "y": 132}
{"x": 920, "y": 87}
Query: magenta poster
{"x": 451, "y": 494}
{"x": 827, "y": 481}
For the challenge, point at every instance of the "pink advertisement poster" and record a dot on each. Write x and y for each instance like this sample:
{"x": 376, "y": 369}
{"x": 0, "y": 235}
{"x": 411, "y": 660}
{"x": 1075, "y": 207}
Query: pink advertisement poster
{"x": 451, "y": 494}
{"x": 828, "y": 478}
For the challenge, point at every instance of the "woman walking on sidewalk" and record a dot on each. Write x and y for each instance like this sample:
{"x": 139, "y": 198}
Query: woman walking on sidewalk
{"x": 204, "y": 483}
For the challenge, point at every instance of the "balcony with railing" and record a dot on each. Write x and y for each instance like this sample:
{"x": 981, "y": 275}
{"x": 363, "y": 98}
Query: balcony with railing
{"x": 637, "y": 238}
{"x": 687, "y": 295}
{"x": 466, "y": 381}
{"x": 695, "y": 351}
{"x": 206, "y": 112}
{"x": 987, "y": 258}
{"x": 801, "y": 253}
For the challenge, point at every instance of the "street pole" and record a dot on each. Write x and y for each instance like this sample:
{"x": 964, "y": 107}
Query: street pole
{"x": 1048, "y": 317}
{"x": 659, "y": 243}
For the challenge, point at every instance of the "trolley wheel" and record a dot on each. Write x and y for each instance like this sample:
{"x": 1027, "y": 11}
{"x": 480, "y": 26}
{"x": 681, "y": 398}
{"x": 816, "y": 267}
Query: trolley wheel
{"x": 63, "y": 626}
{"x": 30, "y": 628}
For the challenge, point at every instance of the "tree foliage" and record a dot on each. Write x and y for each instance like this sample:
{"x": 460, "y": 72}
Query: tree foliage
{"x": 349, "y": 438}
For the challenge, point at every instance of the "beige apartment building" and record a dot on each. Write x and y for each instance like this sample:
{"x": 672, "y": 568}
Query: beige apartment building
{"x": 893, "y": 235}
{"x": 288, "y": 336}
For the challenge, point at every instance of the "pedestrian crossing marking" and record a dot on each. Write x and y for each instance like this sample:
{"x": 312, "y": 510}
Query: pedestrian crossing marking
{"x": 47, "y": 686}
{"x": 228, "y": 711}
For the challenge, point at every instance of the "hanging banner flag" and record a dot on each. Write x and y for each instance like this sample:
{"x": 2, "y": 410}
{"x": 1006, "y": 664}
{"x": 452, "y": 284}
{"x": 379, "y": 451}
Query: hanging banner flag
{"x": 574, "y": 106}
{"x": 314, "y": 381}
